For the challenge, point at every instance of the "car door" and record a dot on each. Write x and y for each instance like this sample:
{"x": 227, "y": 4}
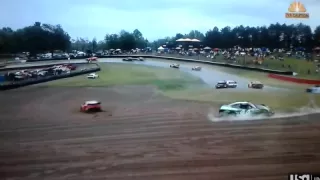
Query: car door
{"x": 237, "y": 108}
{"x": 246, "y": 108}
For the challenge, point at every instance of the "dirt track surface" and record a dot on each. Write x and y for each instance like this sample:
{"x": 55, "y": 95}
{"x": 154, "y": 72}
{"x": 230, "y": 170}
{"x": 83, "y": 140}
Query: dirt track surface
{"x": 142, "y": 135}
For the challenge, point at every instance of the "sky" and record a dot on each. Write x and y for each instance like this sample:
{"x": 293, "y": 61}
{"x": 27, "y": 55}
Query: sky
{"x": 154, "y": 18}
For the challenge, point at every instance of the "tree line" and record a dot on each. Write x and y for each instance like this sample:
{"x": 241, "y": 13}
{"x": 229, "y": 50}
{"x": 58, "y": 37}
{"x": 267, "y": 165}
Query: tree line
{"x": 45, "y": 37}
{"x": 34, "y": 39}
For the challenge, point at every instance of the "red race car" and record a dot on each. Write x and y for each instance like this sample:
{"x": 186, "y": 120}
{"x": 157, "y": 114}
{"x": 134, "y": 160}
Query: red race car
{"x": 91, "y": 106}
{"x": 92, "y": 59}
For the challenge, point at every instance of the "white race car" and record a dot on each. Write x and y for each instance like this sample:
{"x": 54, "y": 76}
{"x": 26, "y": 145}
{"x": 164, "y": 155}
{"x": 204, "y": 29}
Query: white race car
{"x": 314, "y": 89}
{"x": 92, "y": 76}
{"x": 226, "y": 84}
{"x": 245, "y": 109}
{"x": 196, "y": 68}
{"x": 175, "y": 65}
{"x": 255, "y": 85}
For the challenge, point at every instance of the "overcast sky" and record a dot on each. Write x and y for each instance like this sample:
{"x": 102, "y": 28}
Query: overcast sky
{"x": 154, "y": 18}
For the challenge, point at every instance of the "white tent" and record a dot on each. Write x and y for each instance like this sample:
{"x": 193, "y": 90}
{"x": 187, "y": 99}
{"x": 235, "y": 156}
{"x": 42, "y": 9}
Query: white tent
{"x": 178, "y": 48}
{"x": 160, "y": 48}
{"x": 180, "y": 40}
{"x": 195, "y": 40}
{"x": 207, "y": 48}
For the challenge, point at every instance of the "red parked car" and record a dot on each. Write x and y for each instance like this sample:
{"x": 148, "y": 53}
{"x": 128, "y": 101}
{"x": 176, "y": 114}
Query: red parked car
{"x": 91, "y": 106}
{"x": 70, "y": 66}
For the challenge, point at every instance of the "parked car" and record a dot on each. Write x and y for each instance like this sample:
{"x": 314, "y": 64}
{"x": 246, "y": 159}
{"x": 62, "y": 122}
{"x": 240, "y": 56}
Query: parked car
{"x": 175, "y": 66}
{"x": 71, "y": 66}
{"x": 126, "y": 59}
{"x": 141, "y": 59}
{"x": 90, "y": 106}
{"x": 245, "y": 109}
{"x": 42, "y": 73}
{"x": 314, "y": 89}
{"x": 196, "y": 68}
{"x": 226, "y": 84}
{"x": 92, "y": 76}
{"x": 255, "y": 85}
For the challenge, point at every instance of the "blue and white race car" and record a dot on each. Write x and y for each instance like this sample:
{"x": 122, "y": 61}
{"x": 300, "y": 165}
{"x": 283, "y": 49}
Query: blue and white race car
{"x": 245, "y": 109}
{"x": 314, "y": 89}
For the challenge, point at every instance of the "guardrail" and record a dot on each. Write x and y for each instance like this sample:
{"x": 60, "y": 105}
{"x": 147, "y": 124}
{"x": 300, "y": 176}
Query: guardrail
{"x": 56, "y": 59}
{"x": 293, "y": 79}
{"x": 46, "y": 79}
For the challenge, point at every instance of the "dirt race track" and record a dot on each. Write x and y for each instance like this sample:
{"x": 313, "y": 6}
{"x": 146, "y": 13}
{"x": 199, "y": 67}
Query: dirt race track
{"x": 144, "y": 136}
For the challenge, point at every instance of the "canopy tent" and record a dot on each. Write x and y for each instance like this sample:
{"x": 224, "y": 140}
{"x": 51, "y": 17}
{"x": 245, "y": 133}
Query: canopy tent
{"x": 195, "y": 40}
{"x": 207, "y": 48}
{"x": 180, "y": 40}
{"x": 160, "y": 48}
{"x": 178, "y": 48}
{"x": 185, "y": 40}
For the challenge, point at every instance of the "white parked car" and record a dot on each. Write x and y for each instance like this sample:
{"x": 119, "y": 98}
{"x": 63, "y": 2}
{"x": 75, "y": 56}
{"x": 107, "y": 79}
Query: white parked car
{"x": 175, "y": 65}
{"x": 196, "y": 68}
{"x": 42, "y": 73}
{"x": 92, "y": 76}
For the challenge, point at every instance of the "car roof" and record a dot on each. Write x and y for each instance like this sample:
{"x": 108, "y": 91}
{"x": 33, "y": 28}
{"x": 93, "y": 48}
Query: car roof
{"x": 92, "y": 102}
{"x": 256, "y": 82}
{"x": 230, "y": 81}
{"x": 242, "y": 102}
{"x": 221, "y": 81}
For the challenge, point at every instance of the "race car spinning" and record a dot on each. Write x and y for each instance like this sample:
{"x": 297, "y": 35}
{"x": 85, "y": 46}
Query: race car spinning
{"x": 90, "y": 106}
{"x": 245, "y": 109}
